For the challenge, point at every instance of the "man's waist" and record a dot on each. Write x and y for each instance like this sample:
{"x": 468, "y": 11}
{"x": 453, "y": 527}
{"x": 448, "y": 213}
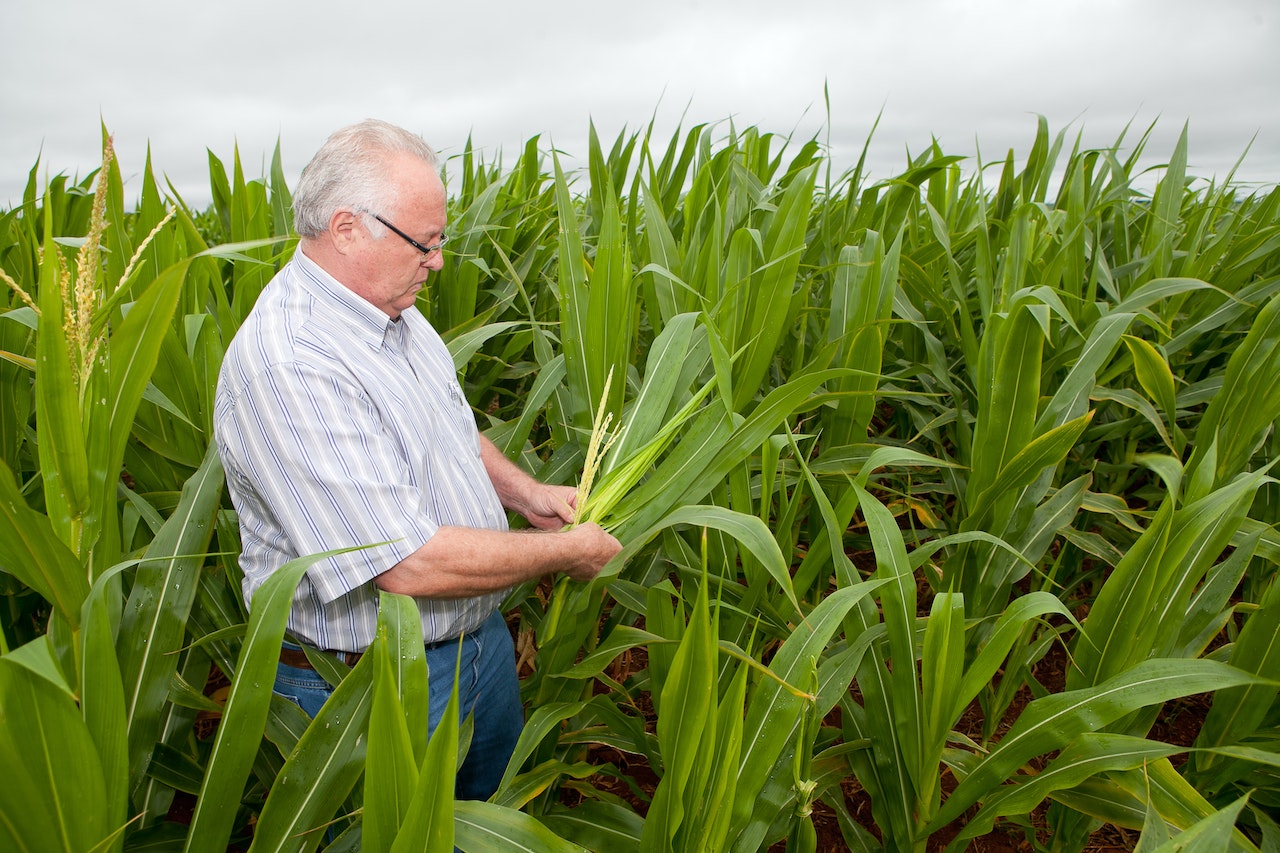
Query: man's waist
{"x": 296, "y": 656}
{"x": 350, "y": 624}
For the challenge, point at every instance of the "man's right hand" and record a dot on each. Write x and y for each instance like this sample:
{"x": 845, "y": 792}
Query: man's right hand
{"x": 593, "y": 548}
{"x": 461, "y": 562}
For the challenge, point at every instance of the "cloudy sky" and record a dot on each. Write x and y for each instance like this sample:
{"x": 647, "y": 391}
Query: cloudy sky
{"x": 187, "y": 78}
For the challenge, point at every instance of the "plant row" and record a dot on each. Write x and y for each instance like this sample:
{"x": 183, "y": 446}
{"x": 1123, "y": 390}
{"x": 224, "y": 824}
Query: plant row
{"x": 939, "y": 491}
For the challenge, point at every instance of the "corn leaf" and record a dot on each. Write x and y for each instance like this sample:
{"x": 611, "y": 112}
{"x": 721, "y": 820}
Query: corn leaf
{"x": 748, "y": 530}
{"x": 430, "y": 823}
{"x": 1252, "y": 372}
{"x": 1086, "y": 757}
{"x": 64, "y": 464}
{"x": 771, "y": 287}
{"x": 688, "y": 703}
{"x": 246, "y": 708}
{"x": 32, "y": 552}
{"x": 153, "y": 624}
{"x": 1238, "y": 712}
{"x": 322, "y": 769}
{"x": 488, "y": 828}
{"x": 391, "y": 771}
{"x": 773, "y": 712}
{"x": 54, "y": 794}
{"x": 1051, "y": 722}
{"x": 102, "y": 701}
{"x": 597, "y": 825}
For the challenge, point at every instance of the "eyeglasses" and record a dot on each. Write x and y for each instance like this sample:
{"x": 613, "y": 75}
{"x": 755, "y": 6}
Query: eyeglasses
{"x": 425, "y": 250}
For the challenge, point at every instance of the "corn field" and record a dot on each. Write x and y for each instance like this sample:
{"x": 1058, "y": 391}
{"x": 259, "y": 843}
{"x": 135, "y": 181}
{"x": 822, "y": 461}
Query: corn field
{"x": 939, "y": 495}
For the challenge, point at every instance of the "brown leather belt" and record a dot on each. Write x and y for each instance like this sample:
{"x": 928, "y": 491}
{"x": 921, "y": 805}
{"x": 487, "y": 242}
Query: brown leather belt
{"x": 297, "y": 658}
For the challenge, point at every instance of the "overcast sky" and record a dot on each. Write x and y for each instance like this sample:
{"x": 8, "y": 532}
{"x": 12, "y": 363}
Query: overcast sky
{"x": 187, "y": 78}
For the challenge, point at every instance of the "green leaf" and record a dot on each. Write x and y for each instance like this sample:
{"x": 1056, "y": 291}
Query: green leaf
{"x": 102, "y": 701}
{"x": 648, "y": 412}
{"x": 153, "y": 625}
{"x": 400, "y": 620}
{"x": 773, "y": 712}
{"x": 1227, "y": 428}
{"x": 1238, "y": 712}
{"x": 488, "y": 828}
{"x": 687, "y": 477}
{"x": 64, "y": 463}
{"x": 1053, "y": 721}
{"x": 54, "y": 796}
{"x": 32, "y": 552}
{"x": 1008, "y": 629}
{"x": 245, "y": 715}
{"x": 688, "y": 702}
{"x": 1024, "y": 467}
{"x": 572, "y": 293}
{"x": 747, "y": 530}
{"x": 1071, "y": 398}
{"x": 597, "y": 825}
{"x": 1207, "y": 835}
{"x": 1086, "y": 757}
{"x": 391, "y": 771}
{"x": 322, "y": 769}
{"x": 38, "y": 656}
{"x": 1153, "y": 372}
{"x": 111, "y": 401}
{"x": 542, "y": 721}
{"x": 772, "y": 286}
{"x": 1175, "y": 800}
{"x": 430, "y": 825}
{"x": 942, "y": 667}
{"x": 466, "y": 345}
{"x": 1008, "y": 393}
{"x": 526, "y": 787}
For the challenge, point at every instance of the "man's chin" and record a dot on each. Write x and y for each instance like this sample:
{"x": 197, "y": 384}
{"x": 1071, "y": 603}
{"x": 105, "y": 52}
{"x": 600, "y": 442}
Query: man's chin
{"x": 409, "y": 299}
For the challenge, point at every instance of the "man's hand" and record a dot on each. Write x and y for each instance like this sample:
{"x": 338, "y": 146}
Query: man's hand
{"x": 460, "y": 562}
{"x": 546, "y": 507}
{"x": 549, "y": 507}
{"x": 593, "y": 548}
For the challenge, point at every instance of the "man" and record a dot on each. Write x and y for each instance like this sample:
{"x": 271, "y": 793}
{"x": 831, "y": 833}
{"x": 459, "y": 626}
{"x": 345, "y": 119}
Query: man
{"x": 340, "y": 422}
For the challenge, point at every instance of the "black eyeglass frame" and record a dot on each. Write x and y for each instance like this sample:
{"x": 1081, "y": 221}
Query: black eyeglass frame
{"x": 425, "y": 250}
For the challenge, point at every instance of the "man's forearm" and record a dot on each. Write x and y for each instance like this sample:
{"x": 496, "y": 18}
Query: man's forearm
{"x": 459, "y": 562}
{"x": 509, "y": 480}
{"x": 546, "y": 507}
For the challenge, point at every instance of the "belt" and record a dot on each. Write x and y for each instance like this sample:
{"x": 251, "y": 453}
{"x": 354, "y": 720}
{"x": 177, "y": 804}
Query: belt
{"x": 297, "y": 658}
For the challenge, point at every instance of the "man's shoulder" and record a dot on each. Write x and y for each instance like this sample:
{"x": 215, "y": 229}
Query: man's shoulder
{"x": 285, "y": 329}
{"x": 272, "y": 325}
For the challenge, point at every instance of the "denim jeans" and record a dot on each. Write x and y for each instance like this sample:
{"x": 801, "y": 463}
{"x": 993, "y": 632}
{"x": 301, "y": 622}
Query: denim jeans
{"x": 487, "y": 687}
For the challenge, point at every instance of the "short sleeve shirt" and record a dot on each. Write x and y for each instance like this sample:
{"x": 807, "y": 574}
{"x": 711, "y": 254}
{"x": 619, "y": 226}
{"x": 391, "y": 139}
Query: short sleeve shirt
{"x": 340, "y": 427}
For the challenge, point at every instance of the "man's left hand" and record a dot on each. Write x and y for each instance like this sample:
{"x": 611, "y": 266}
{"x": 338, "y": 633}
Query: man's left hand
{"x": 550, "y": 507}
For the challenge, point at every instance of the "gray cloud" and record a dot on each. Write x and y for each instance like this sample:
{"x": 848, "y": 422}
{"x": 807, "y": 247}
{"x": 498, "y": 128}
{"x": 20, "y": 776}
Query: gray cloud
{"x": 184, "y": 79}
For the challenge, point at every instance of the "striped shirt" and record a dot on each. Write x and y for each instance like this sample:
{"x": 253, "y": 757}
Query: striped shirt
{"x": 339, "y": 427}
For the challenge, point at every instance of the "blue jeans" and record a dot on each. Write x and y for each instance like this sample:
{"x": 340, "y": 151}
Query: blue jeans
{"x": 487, "y": 687}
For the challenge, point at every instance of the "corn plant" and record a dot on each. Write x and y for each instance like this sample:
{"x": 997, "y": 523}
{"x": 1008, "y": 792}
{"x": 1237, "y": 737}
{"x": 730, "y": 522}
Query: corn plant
{"x": 875, "y": 443}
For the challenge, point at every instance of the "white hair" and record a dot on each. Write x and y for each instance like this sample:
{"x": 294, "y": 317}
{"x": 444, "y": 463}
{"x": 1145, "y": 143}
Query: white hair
{"x": 351, "y": 171}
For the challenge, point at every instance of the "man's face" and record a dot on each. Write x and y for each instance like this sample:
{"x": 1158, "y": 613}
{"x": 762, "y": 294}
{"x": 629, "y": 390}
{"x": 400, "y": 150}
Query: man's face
{"x": 393, "y": 271}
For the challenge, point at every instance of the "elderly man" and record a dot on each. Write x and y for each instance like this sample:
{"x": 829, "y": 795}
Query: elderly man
{"x": 340, "y": 422}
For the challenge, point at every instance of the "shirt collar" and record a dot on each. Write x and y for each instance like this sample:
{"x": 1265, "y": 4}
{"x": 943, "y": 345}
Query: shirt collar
{"x": 361, "y": 317}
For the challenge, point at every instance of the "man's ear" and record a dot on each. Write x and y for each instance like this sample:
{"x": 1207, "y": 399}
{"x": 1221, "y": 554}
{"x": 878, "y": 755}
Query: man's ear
{"x": 344, "y": 229}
